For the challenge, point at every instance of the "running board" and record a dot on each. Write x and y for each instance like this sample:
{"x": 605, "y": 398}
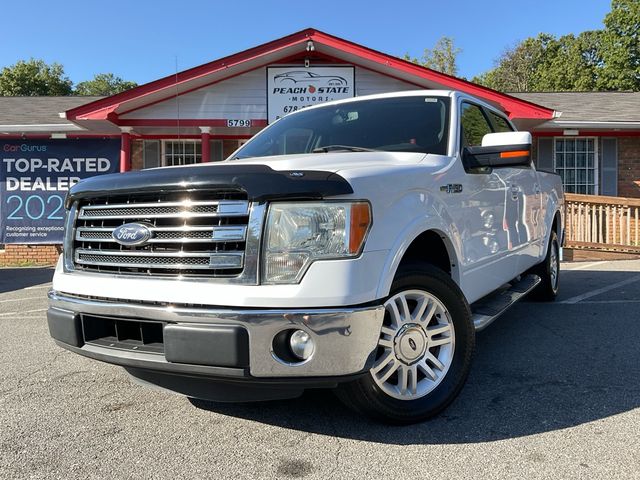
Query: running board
{"x": 487, "y": 309}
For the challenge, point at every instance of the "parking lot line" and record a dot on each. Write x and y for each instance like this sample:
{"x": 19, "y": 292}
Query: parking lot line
{"x": 586, "y": 265}
{"x": 610, "y": 301}
{"x": 20, "y": 299}
{"x": 598, "y": 291}
{"x": 46, "y": 285}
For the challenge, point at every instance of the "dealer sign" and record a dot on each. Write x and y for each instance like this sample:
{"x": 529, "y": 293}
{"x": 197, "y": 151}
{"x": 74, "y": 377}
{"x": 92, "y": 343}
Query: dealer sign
{"x": 292, "y": 88}
{"x": 35, "y": 176}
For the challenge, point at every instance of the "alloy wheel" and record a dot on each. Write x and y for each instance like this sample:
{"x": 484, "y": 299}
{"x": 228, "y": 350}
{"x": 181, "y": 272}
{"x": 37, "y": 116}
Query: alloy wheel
{"x": 416, "y": 345}
{"x": 554, "y": 266}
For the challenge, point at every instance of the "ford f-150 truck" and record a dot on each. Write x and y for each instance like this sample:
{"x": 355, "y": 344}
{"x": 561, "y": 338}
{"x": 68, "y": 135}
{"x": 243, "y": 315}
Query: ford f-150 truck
{"x": 356, "y": 245}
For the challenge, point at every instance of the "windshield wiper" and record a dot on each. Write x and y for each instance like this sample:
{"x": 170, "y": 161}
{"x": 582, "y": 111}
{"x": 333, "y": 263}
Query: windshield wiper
{"x": 344, "y": 148}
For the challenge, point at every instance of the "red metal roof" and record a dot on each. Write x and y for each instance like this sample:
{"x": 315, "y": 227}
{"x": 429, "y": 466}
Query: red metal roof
{"x": 284, "y": 48}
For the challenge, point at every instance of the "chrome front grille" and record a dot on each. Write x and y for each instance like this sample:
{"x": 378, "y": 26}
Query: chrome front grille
{"x": 182, "y": 209}
{"x": 204, "y": 234}
{"x": 171, "y": 234}
{"x": 179, "y": 260}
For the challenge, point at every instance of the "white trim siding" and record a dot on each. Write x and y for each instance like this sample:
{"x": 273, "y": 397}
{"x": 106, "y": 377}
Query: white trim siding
{"x": 244, "y": 97}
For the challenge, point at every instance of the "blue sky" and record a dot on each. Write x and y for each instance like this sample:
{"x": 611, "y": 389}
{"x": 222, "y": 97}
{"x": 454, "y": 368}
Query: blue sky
{"x": 139, "y": 40}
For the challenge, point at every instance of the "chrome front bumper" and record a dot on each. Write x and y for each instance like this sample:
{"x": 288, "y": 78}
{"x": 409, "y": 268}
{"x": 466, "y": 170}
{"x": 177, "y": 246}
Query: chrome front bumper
{"x": 345, "y": 338}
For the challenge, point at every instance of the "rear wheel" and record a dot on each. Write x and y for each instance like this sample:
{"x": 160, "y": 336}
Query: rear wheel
{"x": 549, "y": 272}
{"x": 424, "y": 350}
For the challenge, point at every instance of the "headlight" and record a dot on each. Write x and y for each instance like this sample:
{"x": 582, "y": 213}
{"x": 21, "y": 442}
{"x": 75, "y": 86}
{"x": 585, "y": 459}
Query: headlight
{"x": 297, "y": 234}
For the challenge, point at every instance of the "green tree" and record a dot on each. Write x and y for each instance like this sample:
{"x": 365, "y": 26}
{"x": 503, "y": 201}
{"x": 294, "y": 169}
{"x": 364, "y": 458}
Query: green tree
{"x": 620, "y": 48}
{"x": 34, "y": 77}
{"x": 570, "y": 63}
{"x": 442, "y": 57}
{"x": 104, "y": 84}
{"x": 606, "y": 59}
{"x": 519, "y": 67}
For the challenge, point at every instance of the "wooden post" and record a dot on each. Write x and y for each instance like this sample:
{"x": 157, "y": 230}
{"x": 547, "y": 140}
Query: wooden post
{"x": 628, "y": 225}
{"x": 587, "y": 213}
{"x": 614, "y": 217}
{"x": 600, "y": 224}
{"x": 579, "y": 223}
{"x": 637, "y": 245}
{"x": 594, "y": 234}
{"x": 606, "y": 226}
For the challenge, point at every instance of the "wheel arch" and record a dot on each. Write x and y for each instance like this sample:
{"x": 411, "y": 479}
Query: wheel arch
{"x": 430, "y": 244}
{"x": 557, "y": 226}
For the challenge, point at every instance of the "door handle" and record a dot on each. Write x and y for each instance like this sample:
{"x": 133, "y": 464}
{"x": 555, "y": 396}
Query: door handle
{"x": 536, "y": 189}
{"x": 514, "y": 192}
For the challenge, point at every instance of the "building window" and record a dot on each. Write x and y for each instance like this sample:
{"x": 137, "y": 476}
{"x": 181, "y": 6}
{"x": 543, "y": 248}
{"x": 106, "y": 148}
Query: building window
{"x": 576, "y": 161}
{"x": 181, "y": 152}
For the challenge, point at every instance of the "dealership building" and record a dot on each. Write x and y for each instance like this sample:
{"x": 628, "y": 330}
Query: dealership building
{"x": 205, "y": 113}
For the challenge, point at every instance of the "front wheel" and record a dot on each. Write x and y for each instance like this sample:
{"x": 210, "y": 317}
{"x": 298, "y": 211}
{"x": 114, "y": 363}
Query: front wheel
{"x": 424, "y": 350}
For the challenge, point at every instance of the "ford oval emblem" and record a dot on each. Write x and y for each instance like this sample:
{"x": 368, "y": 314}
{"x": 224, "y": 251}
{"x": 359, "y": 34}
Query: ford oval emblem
{"x": 131, "y": 234}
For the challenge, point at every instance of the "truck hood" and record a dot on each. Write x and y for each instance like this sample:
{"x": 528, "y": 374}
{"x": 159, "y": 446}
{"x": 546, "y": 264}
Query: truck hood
{"x": 335, "y": 161}
{"x": 313, "y": 176}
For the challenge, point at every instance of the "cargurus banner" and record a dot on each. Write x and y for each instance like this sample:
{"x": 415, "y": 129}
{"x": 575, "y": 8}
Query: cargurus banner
{"x": 34, "y": 179}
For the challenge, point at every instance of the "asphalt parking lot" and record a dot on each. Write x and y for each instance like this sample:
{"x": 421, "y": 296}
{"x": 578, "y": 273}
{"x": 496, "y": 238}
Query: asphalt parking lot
{"x": 554, "y": 393}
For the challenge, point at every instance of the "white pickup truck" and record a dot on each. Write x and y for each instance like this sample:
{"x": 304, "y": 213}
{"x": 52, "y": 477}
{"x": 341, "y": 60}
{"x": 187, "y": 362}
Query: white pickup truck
{"x": 355, "y": 245}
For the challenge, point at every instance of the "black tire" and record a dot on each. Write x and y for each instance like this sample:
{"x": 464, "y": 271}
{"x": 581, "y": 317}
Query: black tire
{"x": 365, "y": 396}
{"x": 547, "y": 290}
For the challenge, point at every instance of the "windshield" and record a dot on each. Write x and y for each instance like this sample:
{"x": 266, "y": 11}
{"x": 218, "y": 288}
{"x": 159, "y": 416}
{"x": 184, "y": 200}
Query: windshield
{"x": 401, "y": 124}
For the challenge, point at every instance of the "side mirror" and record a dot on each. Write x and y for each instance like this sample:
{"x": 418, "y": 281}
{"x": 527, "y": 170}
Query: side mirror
{"x": 504, "y": 149}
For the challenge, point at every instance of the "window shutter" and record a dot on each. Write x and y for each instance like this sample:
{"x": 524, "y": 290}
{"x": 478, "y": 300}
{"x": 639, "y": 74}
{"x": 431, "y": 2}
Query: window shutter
{"x": 609, "y": 185}
{"x": 216, "y": 150}
{"x": 545, "y": 154}
{"x": 151, "y": 153}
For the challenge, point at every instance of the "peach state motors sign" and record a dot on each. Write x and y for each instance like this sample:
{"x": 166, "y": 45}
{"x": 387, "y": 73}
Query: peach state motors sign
{"x": 291, "y": 88}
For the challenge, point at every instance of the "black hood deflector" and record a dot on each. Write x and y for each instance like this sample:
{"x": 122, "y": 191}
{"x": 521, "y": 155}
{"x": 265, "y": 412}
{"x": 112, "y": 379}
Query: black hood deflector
{"x": 260, "y": 182}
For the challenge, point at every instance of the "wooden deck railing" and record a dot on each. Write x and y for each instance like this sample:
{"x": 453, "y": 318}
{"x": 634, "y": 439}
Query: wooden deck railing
{"x": 602, "y": 223}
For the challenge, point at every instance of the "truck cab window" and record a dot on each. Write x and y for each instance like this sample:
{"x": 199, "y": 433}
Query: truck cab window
{"x": 473, "y": 125}
{"x": 402, "y": 124}
{"x": 500, "y": 124}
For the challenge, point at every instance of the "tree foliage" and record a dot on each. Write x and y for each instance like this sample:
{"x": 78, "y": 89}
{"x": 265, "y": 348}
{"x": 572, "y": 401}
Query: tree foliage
{"x": 104, "y": 84}
{"x": 621, "y": 47}
{"x": 442, "y": 57}
{"x": 34, "y": 77}
{"x": 607, "y": 59}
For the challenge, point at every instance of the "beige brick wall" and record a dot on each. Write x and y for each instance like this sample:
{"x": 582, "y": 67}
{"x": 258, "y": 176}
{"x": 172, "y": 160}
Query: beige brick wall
{"x": 577, "y": 255}
{"x": 16, "y": 255}
{"x": 629, "y": 167}
{"x": 136, "y": 154}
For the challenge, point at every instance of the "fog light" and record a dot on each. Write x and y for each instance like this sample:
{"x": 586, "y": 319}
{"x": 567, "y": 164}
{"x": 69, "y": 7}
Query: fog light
{"x": 301, "y": 344}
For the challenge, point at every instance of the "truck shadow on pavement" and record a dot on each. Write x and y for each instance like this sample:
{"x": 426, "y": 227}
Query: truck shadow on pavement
{"x": 18, "y": 278}
{"x": 541, "y": 367}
